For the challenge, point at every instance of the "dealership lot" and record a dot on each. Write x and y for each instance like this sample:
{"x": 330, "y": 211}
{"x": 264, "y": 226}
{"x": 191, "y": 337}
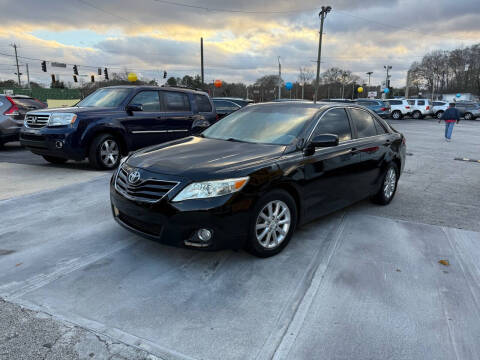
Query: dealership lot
{"x": 363, "y": 283}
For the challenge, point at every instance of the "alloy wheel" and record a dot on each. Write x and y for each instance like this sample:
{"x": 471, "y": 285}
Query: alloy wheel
{"x": 272, "y": 225}
{"x": 468, "y": 116}
{"x": 396, "y": 115}
{"x": 439, "y": 115}
{"x": 109, "y": 152}
{"x": 389, "y": 183}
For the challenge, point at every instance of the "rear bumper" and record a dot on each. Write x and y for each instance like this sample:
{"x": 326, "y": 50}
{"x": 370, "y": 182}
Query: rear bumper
{"x": 51, "y": 142}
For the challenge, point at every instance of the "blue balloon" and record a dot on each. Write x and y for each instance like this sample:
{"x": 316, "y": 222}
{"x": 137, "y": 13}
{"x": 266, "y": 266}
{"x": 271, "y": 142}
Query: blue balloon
{"x": 458, "y": 95}
{"x": 289, "y": 85}
{"x": 386, "y": 90}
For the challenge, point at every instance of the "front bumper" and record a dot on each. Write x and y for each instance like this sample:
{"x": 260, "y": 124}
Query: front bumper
{"x": 57, "y": 142}
{"x": 176, "y": 224}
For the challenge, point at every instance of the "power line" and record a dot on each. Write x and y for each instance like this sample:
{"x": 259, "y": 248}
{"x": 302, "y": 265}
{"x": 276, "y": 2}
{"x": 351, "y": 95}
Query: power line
{"x": 108, "y": 12}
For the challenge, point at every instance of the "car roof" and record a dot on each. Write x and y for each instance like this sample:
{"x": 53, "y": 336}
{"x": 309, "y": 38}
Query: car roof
{"x": 158, "y": 88}
{"x": 232, "y": 98}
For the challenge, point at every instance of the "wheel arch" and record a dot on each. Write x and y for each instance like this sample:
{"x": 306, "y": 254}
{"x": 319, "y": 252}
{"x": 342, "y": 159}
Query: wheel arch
{"x": 294, "y": 192}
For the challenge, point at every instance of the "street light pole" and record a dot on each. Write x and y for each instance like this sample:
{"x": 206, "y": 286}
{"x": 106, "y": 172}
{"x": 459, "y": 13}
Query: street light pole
{"x": 279, "y": 79}
{"x": 369, "y": 75}
{"x": 387, "y": 67}
{"x": 323, "y": 15}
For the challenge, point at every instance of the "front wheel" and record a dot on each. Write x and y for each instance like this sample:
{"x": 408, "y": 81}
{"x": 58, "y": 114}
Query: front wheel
{"x": 417, "y": 115}
{"x": 468, "y": 116}
{"x": 396, "y": 115}
{"x": 389, "y": 186}
{"x": 272, "y": 225}
{"x": 54, "y": 159}
{"x": 439, "y": 115}
{"x": 104, "y": 152}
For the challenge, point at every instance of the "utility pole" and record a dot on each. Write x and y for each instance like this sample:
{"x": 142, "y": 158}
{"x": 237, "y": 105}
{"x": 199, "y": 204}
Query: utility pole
{"x": 323, "y": 15}
{"x": 201, "y": 57}
{"x": 369, "y": 75}
{"x": 28, "y": 76}
{"x": 16, "y": 59}
{"x": 279, "y": 78}
{"x": 387, "y": 67}
{"x": 407, "y": 86}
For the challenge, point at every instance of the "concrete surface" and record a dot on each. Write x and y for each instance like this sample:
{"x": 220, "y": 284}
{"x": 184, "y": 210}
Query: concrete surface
{"x": 352, "y": 285}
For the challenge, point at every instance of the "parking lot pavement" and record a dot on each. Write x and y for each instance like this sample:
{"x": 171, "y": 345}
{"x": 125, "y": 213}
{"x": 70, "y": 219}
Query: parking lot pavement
{"x": 22, "y": 172}
{"x": 364, "y": 283}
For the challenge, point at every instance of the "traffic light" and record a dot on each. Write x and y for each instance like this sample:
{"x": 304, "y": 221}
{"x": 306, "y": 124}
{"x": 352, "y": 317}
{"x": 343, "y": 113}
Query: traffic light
{"x": 44, "y": 66}
{"x": 164, "y": 74}
{"x": 75, "y": 69}
{"x": 75, "y": 78}
{"x": 99, "y": 72}
{"x": 53, "y": 79}
{"x": 105, "y": 72}
{"x": 92, "y": 78}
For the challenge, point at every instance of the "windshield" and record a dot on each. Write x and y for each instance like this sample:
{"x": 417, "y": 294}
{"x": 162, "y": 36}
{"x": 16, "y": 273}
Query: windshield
{"x": 105, "y": 98}
{"x": 262, "y": 124}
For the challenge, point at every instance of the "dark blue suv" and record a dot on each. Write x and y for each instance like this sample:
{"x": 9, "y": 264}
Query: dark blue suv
{"x": 113, "y": 121}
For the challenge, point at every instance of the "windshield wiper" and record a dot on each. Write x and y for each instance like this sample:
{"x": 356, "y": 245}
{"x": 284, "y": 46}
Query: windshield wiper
{"x": 234, "y": 140}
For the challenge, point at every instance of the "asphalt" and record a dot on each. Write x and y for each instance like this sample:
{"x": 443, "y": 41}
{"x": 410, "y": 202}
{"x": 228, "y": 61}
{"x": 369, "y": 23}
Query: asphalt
{"x": 363, "y": 283}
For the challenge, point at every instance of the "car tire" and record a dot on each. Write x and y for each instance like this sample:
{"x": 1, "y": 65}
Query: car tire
{"x": 417, "y": 115}
{"x": 104, "y": 152}
{"x": 397, "y": 115}
{"x": 54, "y": 159}
{"x": 439, "y": 114}
{"x": 389, "y": 186}
{"x": 468, "y": 116}
{"x": 272, "y": 224}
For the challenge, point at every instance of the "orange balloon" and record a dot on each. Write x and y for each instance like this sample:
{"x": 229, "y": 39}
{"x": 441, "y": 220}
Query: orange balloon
{"x": 217, "y": 83}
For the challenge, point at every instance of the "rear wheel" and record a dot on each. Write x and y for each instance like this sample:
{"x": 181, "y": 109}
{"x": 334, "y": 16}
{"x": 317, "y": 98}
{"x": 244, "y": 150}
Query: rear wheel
{"x": 54, "y": 159}
{"x": 389, "y": 186}
{"x": 397, "y": 115}
{"x": 272, "y": 225}
{"x": 417, "y": 115}
{"x": 439, "y": 114}
{"x": 468, "y": 116}
{"x": 104, "y": 152}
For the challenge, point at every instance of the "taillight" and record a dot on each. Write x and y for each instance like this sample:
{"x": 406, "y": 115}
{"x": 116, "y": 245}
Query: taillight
{"x": 428, "y": 107}
{"x": 383, "y": 109}
{"x": 13, "y": 110}
{"x": 217, "y": 117}
{"x": 404, "y": 141}
{"x": 407, "y": 107}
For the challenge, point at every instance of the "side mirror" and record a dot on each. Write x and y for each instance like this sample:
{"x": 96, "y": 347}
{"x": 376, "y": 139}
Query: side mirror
{"x": 324, "y": 140}
{"x": 199, "y": 124}
{"x": 134, "y": 107}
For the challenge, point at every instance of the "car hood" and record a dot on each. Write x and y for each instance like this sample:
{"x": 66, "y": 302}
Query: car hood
{"x": 76, "y": 110}
{"x": 198, "y": 158}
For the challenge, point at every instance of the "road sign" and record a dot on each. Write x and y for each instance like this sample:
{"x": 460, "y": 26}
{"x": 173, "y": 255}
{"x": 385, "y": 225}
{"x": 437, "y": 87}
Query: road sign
{"x": 372, "y": 94}
{"x": 61, "y": 65}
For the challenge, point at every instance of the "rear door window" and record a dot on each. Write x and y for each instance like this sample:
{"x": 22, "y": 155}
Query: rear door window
{"x": 411, "y": 102}
{"x": 176, "y": 101}
{"x": 364, "y": 123}
{"x": 226, "y": 105}
{"x": 421, "y": 102}
{"x": 395, "y": 102}
{"x": 149, "y": 100}
{"x": 334, "y": 122}
{"x": 203, "y": 104}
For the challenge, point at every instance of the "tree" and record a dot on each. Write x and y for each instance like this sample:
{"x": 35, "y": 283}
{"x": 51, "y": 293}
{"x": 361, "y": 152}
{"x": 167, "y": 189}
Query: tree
{"x": 57, "y": 85}
{"x": 305, "y": 76}
{"x": 172, "y": 81}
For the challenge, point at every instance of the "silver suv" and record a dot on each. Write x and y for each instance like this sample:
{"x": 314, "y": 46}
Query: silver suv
{"x": 399, "y": 108}
{"x": 420, "y": 108}
{"x": 439, "y": 108}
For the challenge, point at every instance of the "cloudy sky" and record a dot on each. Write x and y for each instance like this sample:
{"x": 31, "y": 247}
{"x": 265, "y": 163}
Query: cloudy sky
{"x": 242, "y": 38}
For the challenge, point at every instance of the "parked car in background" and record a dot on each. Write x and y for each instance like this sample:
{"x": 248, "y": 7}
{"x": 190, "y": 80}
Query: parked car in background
{"x": 113, "y": 121}
{"x": 399, "y": 108}
{"x": 252, "y": 178}
{"x": 468, "y": 109}
{"x": 12, "y": 112}
{"x": 439, "y": 108}
{"x": 338, "y": 100}
{"x": 225, "y": 107}
{"x": 381, "y": 108}
{"x": 420, "y": 108}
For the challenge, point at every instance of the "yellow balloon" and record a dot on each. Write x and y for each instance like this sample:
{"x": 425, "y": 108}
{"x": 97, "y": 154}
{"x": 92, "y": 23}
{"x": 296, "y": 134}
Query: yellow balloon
{"x": 360, "y": 89}
{"x": 132, "y": 77}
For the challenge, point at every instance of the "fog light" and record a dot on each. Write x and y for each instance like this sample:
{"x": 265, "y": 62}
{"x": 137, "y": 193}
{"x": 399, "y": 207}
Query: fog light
{"x": 59, "y": 144}
{"x": 115, "y": 211}
{"x": 204, "y": 234}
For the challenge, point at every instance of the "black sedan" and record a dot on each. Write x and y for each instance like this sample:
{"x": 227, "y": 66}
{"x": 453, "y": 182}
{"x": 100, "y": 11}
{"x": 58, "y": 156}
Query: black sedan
{"x": 252, "y": 178}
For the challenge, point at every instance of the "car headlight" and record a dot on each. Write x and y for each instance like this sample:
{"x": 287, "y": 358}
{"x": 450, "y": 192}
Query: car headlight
{"x": 209, "y": 189}
{"x": 60, "y": 119}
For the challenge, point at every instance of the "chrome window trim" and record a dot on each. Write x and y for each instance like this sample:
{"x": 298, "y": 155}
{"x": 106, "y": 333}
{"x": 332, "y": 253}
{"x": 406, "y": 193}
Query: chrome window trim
{"x": 158, "y": 131}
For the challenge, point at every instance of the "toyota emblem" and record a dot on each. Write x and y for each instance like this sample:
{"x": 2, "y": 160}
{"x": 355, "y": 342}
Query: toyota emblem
{"x": 134, "y": 177}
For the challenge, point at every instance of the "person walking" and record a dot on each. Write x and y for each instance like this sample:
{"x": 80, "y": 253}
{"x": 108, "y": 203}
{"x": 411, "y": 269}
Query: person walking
{"x": 450, "y": 116}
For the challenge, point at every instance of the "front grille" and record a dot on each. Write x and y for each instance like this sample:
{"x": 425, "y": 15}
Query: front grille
{"x": 146, "y": 190}
{"x": 147, "y": 228}
{"x": 36, "y": 121}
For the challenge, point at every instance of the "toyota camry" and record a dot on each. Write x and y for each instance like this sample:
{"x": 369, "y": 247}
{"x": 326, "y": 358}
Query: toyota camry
{"x": 250, "y": 179}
